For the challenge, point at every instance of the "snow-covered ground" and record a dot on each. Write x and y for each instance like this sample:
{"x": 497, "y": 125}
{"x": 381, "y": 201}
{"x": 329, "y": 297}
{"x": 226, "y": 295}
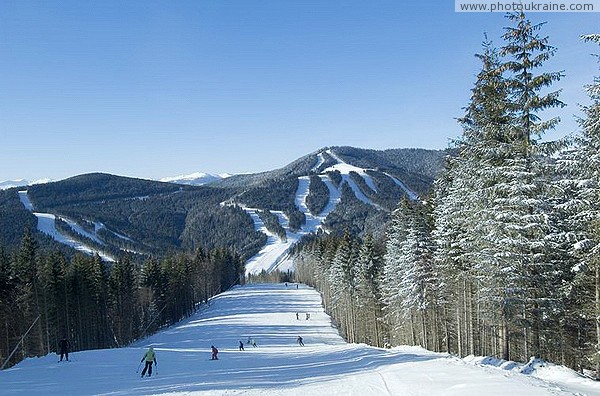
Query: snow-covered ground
{"x": 411, "y": 194}
{"x": 278, "y": 366}
{"x": 5, "y": 185}
{"x": 47, "y": 224}
{"x": 196, "y": 178}
{"x": 274, "y": 255}
{"x": 274, "y": 251}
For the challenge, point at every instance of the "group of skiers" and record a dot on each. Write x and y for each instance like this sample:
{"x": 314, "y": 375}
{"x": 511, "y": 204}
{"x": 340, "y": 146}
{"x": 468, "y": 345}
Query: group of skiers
{"x": 150, "y": 356}
{"x": 249, "y": 342}
{"x": 298, "y": 316}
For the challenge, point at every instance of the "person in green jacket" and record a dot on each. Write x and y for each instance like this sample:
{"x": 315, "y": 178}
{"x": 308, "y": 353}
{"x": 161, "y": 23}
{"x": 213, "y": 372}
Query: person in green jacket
{"x": 149, "y": 357}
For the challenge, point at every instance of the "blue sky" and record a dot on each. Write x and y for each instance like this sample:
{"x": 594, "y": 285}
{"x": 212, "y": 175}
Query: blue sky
{"x": 161, "y": 88}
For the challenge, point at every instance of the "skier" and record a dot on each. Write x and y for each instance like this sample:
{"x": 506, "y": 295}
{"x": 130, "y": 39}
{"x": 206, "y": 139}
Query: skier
{"x": 307, "y": 316}
{"x": 149, "y": 357}
{"x": 241, "y": 346}
{"x": 299, "y": 341}
{"x": 254, "y": 344}
{"x": 64, "y": 346}
{"x": 214, "y": 354}
{"x": 297, "y": 316}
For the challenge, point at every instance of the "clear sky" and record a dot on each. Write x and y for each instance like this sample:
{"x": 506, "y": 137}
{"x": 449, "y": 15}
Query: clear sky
{"x": 161, "y": 88}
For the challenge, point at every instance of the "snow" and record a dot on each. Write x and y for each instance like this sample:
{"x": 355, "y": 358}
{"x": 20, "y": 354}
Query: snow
{"x": 411, "y": 194}
{"x": 274, "y": 250}
{"x": 345, "y": 169}
{"x": 195, "y": 179}
{"x": 47, "y": 224}
{"x": 24, "y": 198}
{"x": 274, "y": 255}
{"x": 78, "y": 229}
{"x": 100, "y": 226}
{"x": 320, "y": 161}
{"x": 5, "y": 185}
{"x": 278, "y": 366}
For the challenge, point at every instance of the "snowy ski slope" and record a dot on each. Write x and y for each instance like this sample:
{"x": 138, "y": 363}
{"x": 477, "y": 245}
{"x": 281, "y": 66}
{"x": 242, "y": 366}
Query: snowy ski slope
{"x": 274, "y": 255}
{"x": 267, "y": 313}
{"x": 47, "y": 224}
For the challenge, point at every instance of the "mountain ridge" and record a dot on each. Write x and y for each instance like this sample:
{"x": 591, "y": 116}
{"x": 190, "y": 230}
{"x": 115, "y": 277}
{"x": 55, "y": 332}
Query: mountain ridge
{"x": 360, "y": 187}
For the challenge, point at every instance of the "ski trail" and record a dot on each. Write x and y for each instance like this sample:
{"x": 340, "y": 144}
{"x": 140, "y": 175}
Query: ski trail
{"x": 274, "y": 255}
{"x": 47, "y": 225}
{"x": 369, "y": 181}
{"x": 334, "y": 197}
{"x": 344, "y": 168}
{"x": 327, "y": 365}
{"x": 100, "y": 226}
{"x": 24, "y": 198}
{"x": 358, "y": 192}
{"x": 410, "y": 193}
{"x": 273, "y": 251}
{"x": 320, "y": 161}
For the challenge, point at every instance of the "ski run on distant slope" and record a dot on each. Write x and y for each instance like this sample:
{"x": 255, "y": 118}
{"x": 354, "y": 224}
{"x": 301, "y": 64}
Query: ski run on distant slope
{"x": 273, "y": 316}
{"x": 274, "y": 255}
{"x": 47, "y": 225}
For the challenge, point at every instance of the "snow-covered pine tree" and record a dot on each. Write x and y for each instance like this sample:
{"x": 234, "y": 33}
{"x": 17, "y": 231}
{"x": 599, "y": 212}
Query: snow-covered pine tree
{"x": 342, "y": 278}
{"x": 522, "y": 190}
{"x": 369, "y": 267}
{"x": 394, "y": 313}
{"x": 411, "y": 279}
{"x": 462, "y": 209}
{"x": 581, "y": 176}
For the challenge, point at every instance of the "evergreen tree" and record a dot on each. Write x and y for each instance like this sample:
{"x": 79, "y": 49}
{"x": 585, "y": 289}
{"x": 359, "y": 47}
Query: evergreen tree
{"x": 581, "y": 180}
{"x": 369, "y": 268}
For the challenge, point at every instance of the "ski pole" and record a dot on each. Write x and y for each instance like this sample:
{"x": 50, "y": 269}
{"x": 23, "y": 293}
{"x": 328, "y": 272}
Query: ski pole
{"x": 138, "y": 369}
{"x": 156, "y": 367}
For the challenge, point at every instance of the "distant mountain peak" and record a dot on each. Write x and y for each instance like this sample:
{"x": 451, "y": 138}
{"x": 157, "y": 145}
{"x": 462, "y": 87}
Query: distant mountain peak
{"x": 195, "y": 179}
{"x": 5, "y": 185}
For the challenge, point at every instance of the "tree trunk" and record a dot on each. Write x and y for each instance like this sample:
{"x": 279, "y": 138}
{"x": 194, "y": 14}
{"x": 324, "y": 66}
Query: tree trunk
{"x": 504, "y": 340}
{"x": 597, "y": 305}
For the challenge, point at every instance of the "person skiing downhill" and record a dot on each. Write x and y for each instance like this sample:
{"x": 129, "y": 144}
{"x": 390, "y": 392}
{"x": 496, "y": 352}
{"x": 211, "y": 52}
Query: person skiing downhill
{"x": 149, "y": 357}
{"x": 214, "y": 354}
{"x": 299, "y": 341}
{"x": 241, "y": 346}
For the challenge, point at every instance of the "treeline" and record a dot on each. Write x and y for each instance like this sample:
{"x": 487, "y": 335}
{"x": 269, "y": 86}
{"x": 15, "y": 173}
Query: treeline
{"x": 416, "y": 167}
{"x": 272, "y": 224}
{"x": 504, "y": 258}
{"x": 96, "y": 187}
{"x": 276, "y": 194}
{"x": 100, "y": 305}
{"x": 355, "y": 216}
{"x": 222, "y": 226}
{"x": 347, "y": 272}
{"x": 318, "y": 195}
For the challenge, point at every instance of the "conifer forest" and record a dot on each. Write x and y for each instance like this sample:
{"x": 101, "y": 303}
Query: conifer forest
{"x": 502, "y": 257}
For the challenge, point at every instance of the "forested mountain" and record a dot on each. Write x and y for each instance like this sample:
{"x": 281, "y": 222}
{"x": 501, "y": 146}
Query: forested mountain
{"x": 112, "y": 214}
{"x": 502, "y": 259}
